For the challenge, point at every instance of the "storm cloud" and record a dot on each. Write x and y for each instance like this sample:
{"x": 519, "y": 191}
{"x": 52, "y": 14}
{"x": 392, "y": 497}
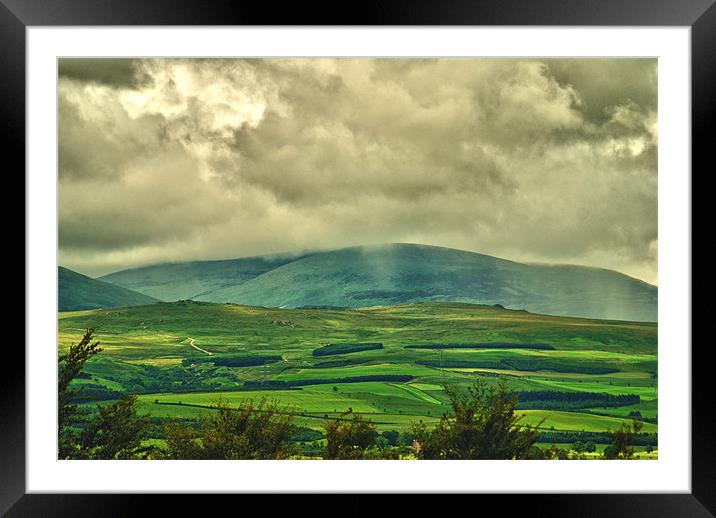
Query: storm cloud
{"x": 532, "y": 160}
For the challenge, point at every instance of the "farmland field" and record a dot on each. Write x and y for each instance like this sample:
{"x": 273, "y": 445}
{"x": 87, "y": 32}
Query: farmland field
{"x": 183, "y": 357}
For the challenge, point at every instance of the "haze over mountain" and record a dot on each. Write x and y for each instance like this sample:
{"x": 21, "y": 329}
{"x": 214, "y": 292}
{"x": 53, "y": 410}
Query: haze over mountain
{"x": 78, "y": 292}
{"x": 398, "y": 274}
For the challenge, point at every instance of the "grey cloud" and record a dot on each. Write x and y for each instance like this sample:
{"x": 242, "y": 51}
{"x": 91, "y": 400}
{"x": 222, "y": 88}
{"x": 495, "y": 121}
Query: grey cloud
{"x": 117, "y": 73}
{"x": 534, "y": 160}
{"x": 93, "y": 149}
{"x": 605, "y": 83}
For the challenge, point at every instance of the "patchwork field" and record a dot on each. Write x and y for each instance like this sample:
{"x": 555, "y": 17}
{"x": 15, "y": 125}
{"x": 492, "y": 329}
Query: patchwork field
{"x": 387, "y": 363}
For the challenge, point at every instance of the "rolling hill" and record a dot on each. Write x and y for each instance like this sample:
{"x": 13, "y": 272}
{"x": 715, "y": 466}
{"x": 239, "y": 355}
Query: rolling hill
{"x": 78, "y": 292}
{"x": 395, "y": 274}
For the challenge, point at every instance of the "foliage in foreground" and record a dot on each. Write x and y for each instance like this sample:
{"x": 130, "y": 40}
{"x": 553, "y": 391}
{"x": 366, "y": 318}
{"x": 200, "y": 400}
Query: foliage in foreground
{"x": 483, "y": 426}
{"x": 622, "y": 439}
{"x": 253, "y": 430}
{"x": 116, "y": 431}
{"x": 348, "y": 438}
{"x": 70, "y": 366}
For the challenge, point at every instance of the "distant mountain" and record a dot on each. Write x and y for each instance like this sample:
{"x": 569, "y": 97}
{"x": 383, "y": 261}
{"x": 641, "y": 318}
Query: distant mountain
{"x": 177, "y": 281}
{"x": 77, "y": 292}
{"x": 399, "y": 274}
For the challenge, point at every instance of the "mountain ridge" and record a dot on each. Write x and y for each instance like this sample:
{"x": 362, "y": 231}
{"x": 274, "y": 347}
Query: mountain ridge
{"x": 397, "y": 273}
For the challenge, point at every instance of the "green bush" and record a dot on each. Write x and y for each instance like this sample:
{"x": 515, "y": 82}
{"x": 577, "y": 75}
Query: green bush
{"x": 348, "y": 438}
{"x": 253, "y": 430}
{"x": 483, "y": 425}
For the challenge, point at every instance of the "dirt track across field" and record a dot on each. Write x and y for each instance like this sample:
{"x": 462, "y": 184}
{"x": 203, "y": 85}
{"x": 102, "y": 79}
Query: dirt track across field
{"x": 191, "y": 342}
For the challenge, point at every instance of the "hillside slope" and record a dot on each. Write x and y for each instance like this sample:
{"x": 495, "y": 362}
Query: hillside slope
{"x": 178, "y": 281}
{"x": 78, "y": 292}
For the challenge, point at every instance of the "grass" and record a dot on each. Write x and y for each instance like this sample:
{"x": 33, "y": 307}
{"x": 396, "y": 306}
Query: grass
{"x": 147, "y": 351}
{"x": 577, "y": 421}
{"x": 305, "y": 400}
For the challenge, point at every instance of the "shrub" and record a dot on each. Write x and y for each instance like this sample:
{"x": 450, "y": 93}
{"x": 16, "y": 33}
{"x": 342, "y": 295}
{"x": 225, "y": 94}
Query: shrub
{"x": 621, "y": 441}
{"x": 348, "y": 438}
{"x": 253, "y": 430}
{"x": 483, "y": 426}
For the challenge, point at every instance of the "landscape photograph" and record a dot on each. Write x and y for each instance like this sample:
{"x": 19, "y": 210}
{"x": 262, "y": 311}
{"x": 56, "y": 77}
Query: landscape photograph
{"x": 357, "y": 259}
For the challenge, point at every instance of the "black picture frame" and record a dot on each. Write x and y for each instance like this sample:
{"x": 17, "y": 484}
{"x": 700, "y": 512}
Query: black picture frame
{"x": 700, "y": 15}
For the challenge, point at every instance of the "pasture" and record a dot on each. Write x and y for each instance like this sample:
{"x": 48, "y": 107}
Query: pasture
{"x": 184, "y": 357}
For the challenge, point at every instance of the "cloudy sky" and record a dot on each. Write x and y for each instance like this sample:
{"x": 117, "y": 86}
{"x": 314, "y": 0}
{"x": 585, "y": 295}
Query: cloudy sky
{"x": 532, "y": 160}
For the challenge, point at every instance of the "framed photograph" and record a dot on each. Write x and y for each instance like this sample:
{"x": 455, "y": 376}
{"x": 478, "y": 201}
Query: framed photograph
{"x": 421, "y": 249}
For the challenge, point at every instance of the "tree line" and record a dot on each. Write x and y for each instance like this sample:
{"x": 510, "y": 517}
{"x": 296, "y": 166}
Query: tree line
{"x": 556, "y": 400}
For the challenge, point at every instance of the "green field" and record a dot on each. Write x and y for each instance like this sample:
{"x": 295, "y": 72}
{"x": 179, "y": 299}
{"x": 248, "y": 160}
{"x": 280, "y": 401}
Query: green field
{"x": 166, "y": 352}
